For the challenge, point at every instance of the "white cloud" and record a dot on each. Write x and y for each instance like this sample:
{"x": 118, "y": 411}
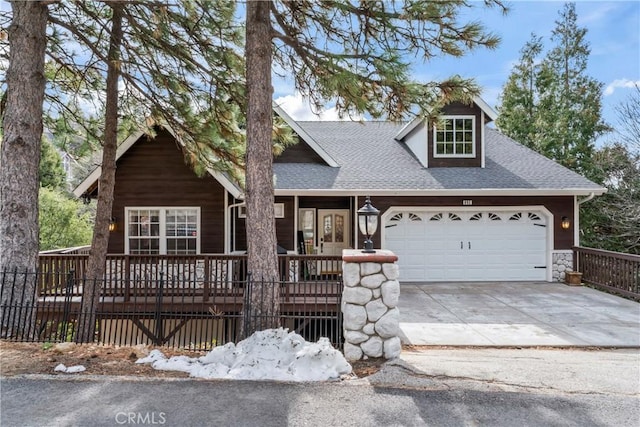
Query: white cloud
{"x": 598, "y": 15}
{"x": 620, "y": 83}
{"x": 300, "y": 109}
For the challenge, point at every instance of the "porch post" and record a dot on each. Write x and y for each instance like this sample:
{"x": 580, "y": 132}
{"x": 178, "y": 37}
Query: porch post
{"x": 369, "y": 304}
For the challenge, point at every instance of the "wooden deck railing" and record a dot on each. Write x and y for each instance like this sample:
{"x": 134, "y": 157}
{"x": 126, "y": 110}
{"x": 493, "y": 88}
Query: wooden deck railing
{"x": 613, "y": 271}
{"x": 179, "y": 272}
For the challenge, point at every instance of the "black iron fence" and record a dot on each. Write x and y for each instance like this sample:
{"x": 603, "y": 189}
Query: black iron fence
{"x": 612, "y": 271}
{"x": 163, "y": 309}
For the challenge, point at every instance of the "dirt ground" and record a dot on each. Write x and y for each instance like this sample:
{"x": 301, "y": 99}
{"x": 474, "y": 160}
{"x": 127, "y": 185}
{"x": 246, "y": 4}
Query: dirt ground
{"x": 18, "y": 358}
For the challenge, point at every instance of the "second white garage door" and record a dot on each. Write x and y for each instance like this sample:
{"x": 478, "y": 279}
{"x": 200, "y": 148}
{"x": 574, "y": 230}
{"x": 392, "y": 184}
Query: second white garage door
{"x": 451, "y": 245}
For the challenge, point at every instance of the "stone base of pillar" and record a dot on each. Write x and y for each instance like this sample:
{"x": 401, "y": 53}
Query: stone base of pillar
{"x": 369, "y": 305}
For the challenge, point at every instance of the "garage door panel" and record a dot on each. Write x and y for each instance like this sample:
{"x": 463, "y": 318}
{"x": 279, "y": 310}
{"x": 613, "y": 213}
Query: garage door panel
{"x": 450, "y": 245}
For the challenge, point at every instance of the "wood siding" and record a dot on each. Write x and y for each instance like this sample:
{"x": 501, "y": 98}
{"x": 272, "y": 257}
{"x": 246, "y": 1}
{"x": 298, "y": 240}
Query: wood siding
{"x": 458, "y": 109}
{"x": 298, "y": 153}
{"x": 285, "y": 230}
{"x": 153, "y": 173}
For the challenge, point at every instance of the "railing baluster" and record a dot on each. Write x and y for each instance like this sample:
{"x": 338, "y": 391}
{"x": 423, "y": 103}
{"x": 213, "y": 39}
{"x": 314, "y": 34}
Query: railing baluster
{"x": 199, "y": 296}
{"x": 613, "y": 271}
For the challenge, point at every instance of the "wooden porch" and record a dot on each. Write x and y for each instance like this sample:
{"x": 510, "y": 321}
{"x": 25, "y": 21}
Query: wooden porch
{"x": 152, "y": 299}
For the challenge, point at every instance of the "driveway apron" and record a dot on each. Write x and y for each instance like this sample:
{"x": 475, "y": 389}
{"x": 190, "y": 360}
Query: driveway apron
{"x": 516, "y": 314}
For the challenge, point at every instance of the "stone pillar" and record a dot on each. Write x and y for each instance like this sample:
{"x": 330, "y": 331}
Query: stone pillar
{"x": 369, "y": 304}
{"x": 562, "y": 261}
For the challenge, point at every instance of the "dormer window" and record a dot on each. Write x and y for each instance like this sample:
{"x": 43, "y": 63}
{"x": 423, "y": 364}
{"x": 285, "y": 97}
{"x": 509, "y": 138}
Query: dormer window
{"x": 454, "y": 136}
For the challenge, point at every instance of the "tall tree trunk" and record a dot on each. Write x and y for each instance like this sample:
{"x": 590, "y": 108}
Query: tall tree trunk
{"x": 263, "y": 303}
{"x": 19, "y": 163}
{"x": 94, "y": 280}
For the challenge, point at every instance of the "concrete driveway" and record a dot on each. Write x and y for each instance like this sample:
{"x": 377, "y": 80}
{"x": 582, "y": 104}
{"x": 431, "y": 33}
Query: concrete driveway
{"x": 519, "y": 314}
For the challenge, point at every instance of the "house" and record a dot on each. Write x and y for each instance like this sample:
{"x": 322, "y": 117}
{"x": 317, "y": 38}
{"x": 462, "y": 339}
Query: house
{"x": 458, "y": 200}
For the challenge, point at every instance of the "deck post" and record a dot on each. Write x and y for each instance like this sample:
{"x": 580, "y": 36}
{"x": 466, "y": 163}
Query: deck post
{"x": 159, "y": 338}
{"x": 369, "y": 304}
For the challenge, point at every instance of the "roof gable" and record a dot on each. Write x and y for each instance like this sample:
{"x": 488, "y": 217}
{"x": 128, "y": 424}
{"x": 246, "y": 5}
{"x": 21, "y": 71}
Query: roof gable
{"x": 489, "y": 113}
{"x": 304, "y": 136}
{"x": 91, "y": 181}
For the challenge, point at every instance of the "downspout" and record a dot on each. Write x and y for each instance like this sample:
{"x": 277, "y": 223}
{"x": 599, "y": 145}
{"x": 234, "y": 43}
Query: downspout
{"x": 576, "y": 217}
{"x": 586, "y": 199}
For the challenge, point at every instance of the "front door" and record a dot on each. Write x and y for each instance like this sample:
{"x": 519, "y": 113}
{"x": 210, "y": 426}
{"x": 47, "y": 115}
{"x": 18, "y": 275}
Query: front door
{"x": 333, "y": 237}
{"x": 333, "y": 231}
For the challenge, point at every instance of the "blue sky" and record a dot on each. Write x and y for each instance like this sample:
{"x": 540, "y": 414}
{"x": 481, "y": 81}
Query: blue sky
{"x": 613, "y": 32}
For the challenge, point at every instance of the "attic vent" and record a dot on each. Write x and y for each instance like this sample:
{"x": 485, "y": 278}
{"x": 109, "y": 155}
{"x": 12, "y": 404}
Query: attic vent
{"x": 436, "y": 217}
{"x": 454, "y": 217}
{"x": 516, "y": 217}
{"x": 534, "y": 217}
{"x": 494, "y": 217}
{"x": 476, "y": 217}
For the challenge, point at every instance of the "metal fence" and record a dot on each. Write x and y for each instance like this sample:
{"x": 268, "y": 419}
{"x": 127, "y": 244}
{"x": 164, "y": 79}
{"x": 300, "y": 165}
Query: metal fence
{"x": 165, "y": 311}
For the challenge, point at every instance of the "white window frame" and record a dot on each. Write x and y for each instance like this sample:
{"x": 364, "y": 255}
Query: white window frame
{"x": 278, "y": 209}
{"x": 454, "y": 155}
{"x": 163, "y": 226}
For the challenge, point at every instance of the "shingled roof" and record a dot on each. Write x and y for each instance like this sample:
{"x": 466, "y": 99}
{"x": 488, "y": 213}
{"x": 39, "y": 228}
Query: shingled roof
{"x": 369, "y": 158}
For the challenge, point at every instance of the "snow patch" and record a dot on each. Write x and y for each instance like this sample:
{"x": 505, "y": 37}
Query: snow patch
{"x": 273, "y": 354}
{"x": 69, "y": 370}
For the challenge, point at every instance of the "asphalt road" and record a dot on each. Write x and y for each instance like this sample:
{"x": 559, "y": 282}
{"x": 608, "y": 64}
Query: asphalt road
{"x": 111, "y": 401}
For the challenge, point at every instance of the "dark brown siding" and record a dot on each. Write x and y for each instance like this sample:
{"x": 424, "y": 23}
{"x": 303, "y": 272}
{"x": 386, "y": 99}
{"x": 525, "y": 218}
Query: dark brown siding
{"x": 284, "y": 226}
{"x": 153, "y": 173}
{"x": 299, "y": 153}
{"x": 333, "y": 202}
{"x": 466, "y": 110}
{"x": 559, "y": 206}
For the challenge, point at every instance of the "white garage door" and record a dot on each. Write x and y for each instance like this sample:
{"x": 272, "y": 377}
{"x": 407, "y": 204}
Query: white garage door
{"x": 468, "y": 246}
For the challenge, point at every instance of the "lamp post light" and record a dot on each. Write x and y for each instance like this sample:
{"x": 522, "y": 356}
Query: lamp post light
{"x": 113, "y": 224}
{"x": 368, "y": 224}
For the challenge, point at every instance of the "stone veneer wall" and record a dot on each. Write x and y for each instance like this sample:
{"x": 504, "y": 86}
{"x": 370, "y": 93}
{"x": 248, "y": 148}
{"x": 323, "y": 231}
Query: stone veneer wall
{"x": 369, "y": 305}
{"x": 562, "y": 262}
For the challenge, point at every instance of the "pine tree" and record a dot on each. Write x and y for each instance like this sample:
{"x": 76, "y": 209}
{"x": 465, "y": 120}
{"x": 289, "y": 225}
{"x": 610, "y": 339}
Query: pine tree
{"x": 518, "y": 102}
{"x": 566, "y": 114}
{"x": 180, "y": 66}
{"x": 19, "y": 162}
{"x": 357, "y": 53}
{"x": 52, "y": 173}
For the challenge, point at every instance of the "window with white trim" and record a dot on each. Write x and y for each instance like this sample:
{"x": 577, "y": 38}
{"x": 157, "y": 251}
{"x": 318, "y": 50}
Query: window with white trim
{"x": 454, "y": 136}
{"x": 171, "y": 231}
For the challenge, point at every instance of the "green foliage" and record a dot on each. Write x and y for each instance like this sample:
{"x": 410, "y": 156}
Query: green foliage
{"x": 519, "y": 108}
{"x": 360, "y": 53}
{"x": 64, "y": 222}
{"x": 612, "y": 221}
{"x": 52, "y": 174}
{"x": 551, "y": 104}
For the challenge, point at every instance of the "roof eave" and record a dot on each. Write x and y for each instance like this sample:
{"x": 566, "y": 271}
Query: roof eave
{"x": 94, "y": 176}
{"x": 598, "y": 191}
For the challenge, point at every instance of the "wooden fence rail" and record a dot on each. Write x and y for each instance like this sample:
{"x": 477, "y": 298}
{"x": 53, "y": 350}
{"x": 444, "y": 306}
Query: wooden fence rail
{"x": 612, "y": 271}
{"x": 205, "y": 270}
